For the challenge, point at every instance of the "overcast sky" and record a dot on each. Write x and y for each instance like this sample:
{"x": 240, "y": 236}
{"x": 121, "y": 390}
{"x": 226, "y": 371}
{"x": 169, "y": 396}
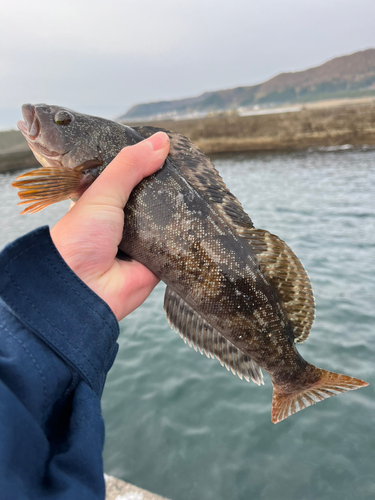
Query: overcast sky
{"x": 105, "y": 56}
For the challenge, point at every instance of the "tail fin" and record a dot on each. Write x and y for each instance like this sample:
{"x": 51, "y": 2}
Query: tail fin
{"x": 329, "y": 384}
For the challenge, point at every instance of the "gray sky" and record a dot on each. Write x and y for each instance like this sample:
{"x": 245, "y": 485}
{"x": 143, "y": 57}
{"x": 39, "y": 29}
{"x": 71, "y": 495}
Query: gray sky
{"x": 105, "y": 56}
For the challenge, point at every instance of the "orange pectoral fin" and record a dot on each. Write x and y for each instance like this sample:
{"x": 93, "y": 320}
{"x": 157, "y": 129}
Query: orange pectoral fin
{"x": 329, "y": 384}
{"x": 44, "y": 186}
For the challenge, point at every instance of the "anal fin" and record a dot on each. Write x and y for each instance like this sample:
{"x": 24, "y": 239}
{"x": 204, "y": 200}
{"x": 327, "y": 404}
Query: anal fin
{"x": 199, "y": 334}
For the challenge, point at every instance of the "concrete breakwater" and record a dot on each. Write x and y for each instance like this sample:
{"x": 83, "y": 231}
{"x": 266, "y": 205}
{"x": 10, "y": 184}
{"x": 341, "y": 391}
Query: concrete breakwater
{"x": 15, "y": 154}
{"x": 116, "y": 489}
{"x": 324, "y": 125}
{"x": 314, "y": 125}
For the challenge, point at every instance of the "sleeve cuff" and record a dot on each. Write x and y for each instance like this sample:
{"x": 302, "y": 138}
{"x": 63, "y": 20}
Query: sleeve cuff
{"x": 49, "y": 298}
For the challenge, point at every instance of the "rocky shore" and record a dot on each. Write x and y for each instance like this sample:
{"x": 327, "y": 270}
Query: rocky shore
{"x": 321, "y": 124}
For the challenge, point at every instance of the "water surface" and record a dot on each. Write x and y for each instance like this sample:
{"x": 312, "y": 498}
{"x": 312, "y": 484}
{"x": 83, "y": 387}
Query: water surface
{"x": 180, "y": 425}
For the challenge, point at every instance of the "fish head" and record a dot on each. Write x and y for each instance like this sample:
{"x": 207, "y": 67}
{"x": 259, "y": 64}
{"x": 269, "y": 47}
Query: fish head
{"x": 73, "y": 149}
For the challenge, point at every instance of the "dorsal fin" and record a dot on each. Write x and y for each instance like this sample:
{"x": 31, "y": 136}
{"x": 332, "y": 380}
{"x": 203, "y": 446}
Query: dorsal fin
{"x": 288, "y": 276}
{"x": 198, "y": 333}
{"x": 201, "y": 173}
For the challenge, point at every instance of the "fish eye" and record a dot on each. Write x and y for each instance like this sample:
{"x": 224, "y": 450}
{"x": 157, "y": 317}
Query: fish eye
{"x": 63, "y": 117}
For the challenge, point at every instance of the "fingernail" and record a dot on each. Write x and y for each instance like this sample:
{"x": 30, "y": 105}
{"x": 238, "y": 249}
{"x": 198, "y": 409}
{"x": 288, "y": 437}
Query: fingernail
{"x": 158, "y": 140}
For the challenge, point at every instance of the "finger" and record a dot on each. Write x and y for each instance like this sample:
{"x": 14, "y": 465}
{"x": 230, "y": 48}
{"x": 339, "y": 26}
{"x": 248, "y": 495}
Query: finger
{"x": 130, "y": 166}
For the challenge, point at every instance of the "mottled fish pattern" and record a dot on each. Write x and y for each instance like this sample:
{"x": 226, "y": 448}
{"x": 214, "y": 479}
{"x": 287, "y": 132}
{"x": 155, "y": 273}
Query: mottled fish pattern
{"x": 234, "y": 292}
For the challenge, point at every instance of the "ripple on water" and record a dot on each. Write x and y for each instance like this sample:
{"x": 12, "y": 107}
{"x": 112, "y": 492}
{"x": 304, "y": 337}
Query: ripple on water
{"x": 180, "y": 425}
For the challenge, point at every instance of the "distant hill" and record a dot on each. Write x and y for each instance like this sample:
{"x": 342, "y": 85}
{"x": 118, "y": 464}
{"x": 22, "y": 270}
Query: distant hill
{"x": 347, "y": 76}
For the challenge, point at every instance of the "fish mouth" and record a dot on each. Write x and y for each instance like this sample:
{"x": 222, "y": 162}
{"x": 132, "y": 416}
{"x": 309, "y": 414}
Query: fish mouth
{"x": 30, "y": 125}
{"x": 31, "y": 128}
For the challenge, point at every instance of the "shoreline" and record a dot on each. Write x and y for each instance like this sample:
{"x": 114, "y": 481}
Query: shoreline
{"x": 316, "y": 125}
{"x": 312, "y": 126}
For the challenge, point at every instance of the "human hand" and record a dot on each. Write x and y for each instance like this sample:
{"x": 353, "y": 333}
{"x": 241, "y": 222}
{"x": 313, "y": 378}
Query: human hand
{"x": 88, "y": 236}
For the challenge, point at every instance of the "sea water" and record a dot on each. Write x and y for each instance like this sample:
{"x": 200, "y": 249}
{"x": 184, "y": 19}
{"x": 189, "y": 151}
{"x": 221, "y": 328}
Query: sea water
{"x": 180, "y": 425}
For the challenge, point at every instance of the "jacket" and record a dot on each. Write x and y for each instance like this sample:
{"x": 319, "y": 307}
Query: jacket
{"x": 57, "y": 343}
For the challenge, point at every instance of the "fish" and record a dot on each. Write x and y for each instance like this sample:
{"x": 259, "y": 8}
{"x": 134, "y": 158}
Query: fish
{"x": 234, "y": 292}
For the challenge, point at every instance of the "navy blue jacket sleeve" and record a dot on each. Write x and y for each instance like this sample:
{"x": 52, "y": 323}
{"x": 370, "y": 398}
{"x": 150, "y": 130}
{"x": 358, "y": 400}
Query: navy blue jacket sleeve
{"x": 57, "y": 343}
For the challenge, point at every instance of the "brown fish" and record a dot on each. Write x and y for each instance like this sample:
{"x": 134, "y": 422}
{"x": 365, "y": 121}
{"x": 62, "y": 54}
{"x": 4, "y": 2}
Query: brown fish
{"x": 236, "y": 293}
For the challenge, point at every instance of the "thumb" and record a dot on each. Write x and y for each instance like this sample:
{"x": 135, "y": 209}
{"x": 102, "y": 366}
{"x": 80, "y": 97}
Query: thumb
{"x": 88, "y": 235}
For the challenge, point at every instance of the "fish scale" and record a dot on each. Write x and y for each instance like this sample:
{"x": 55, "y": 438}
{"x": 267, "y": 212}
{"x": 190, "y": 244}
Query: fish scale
{"x": 234, "y": 292}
